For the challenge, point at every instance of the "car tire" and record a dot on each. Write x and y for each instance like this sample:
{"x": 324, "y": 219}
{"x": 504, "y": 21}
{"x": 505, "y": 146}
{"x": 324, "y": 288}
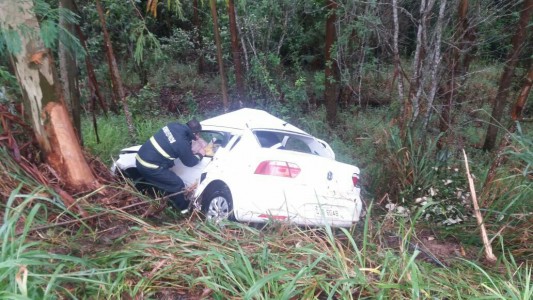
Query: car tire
{"x": 217, "y": 205}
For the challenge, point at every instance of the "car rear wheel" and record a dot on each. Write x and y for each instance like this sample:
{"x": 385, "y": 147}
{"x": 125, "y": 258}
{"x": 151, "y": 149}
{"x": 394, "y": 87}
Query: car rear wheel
{"x": 218, "y": 205}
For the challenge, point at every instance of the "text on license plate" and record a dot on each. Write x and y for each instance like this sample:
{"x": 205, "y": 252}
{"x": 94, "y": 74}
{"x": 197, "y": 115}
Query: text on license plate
{"x": 326, "y": 211}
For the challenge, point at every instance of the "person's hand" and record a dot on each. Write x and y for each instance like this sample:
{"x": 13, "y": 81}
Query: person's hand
{"x": 201, "y": 151}
{"x": 197, "y": 145}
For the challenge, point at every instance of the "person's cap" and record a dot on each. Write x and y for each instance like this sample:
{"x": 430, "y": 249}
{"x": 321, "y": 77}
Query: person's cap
{"x": 194, "y": 125}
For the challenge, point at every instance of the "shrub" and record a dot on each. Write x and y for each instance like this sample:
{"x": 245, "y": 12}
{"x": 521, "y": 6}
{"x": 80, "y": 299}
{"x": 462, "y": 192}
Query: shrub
{"x": 424, "y": 180}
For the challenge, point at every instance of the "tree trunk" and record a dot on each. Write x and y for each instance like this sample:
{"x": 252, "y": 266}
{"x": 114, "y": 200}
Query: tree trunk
{"x": 236, "y": 51}
{"x": 198, "y": 45}
{"x": 69, "y": 72}
{"x": 397, "y": 65}
{"x": 416, "y": 84}
{"x": 223, "y": 81}
{"x": 118, "y": 89}
{"x": 94, "y": 89}
{"x": 330, "y": 92}
{"x": 435, "y": 65}
{"x": 93, "y": 83}
{"x": 468, "y": 47}
{"x": 454, "y": 67}
{"x": 516, "y": 115}
{"x": 507, "y": 75}
{"x": 243, "y": 45}
{"x": 42, "y": 97}
{"x": 516, "y": 110}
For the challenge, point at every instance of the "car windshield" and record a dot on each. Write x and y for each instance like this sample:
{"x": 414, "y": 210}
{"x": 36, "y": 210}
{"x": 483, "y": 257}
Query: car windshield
{"x": 210, "y": 141}
{"x": 290, "y": 141}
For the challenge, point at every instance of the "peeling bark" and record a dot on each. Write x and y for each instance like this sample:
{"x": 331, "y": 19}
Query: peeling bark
{"x": 65, "y": 155}
{"x": 516, "y": 111}
{"x": 41, "y": 92}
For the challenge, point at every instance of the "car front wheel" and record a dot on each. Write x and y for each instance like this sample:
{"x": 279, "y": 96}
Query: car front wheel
{"x": 218, "y": 206}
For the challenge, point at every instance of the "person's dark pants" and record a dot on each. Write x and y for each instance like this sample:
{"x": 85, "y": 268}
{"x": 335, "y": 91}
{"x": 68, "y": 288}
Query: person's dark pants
{"x": 167, "y": 181}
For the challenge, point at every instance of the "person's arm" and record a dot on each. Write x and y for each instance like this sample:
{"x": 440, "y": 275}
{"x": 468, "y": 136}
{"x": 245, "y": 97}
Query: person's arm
{"x": 187, "y": 157}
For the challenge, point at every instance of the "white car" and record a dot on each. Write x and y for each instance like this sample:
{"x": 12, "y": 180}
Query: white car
{"x": 263, "y": 168}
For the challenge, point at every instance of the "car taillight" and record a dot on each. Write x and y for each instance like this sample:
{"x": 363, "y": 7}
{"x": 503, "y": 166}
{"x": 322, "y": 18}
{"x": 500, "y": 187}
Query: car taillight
{"x": 278, "y": 168}
{"x": 355, "y": 180}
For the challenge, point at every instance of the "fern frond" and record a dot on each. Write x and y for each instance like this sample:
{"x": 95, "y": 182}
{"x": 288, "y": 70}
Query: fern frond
{"x": 10, "y": 41}
{"x": 71, "y": 42}
{"x": 139, "y": 48}
{"x": 49, "y": 33}
{"x": 178, "y": 7}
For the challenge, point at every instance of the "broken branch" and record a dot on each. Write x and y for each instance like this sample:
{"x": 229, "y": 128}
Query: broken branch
{"x": 488, "y": 248}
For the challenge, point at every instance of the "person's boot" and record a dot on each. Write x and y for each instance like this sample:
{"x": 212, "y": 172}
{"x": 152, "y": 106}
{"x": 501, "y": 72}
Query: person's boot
{"x": 179, "y": 203}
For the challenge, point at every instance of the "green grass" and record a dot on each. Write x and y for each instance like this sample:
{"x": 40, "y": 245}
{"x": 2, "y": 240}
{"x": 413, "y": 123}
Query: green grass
{"x": 234, "y": 261}
{"x": 121, "y": 255}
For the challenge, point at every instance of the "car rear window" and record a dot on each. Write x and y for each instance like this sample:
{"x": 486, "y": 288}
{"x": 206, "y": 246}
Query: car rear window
{"x": 289, "y": 141}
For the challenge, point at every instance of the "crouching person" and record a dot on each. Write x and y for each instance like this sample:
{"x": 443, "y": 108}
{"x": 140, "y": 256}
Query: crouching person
{"x": 156, "y": 156}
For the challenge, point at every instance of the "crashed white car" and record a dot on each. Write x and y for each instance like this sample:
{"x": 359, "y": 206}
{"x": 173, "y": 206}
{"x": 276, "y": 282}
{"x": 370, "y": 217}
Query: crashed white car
{"x": 260, "y": 168}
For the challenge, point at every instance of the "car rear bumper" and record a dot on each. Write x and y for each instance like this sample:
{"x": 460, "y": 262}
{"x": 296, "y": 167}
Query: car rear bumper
{"x": 310, "y": 209}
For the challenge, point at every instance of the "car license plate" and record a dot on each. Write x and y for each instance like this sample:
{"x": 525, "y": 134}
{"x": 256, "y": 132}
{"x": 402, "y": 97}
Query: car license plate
{"x": 329, "y": 212}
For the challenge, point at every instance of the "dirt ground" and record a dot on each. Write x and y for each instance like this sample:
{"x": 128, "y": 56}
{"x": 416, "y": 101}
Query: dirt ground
{"x": 432, "y": 248}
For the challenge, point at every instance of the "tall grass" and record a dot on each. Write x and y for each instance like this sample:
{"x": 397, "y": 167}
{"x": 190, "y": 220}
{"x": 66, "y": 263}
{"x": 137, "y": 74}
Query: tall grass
{"x": 234, "y": 261}
{"x": 29, "y": 269}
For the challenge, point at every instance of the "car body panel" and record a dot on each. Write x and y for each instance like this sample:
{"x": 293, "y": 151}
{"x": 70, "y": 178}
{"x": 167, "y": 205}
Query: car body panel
{"x": 320, "y": 192}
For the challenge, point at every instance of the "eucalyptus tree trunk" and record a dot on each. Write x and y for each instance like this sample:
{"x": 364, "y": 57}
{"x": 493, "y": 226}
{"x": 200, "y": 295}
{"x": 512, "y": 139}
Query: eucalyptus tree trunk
{"x": 198, "y": 45}
{"x": 243, "y": 44}
{"x": 454, "y": 68}
{"x": 94, "y": 89}
{"x": 435, "y": 64}
{"x": 330, "y": 93}
{"x": 364, "y": 43}
{"x": 397, "y": 64}
{"x": 417, "y": 83}
{"x": 118, "y": 89}
{"x": 223, "y": 81}
{"x": 42, "y": 97}
{"x": 516, "y": 115}
{"x": 507, "y": 76}
{"x": 69, "y": 72}
{"x": 236, "y": 51}
{"x": 518, "y": 107}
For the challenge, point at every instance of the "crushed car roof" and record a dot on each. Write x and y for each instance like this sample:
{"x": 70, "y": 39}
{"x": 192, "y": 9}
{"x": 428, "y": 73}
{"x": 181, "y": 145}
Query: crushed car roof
{"x": 250, "y": 118}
